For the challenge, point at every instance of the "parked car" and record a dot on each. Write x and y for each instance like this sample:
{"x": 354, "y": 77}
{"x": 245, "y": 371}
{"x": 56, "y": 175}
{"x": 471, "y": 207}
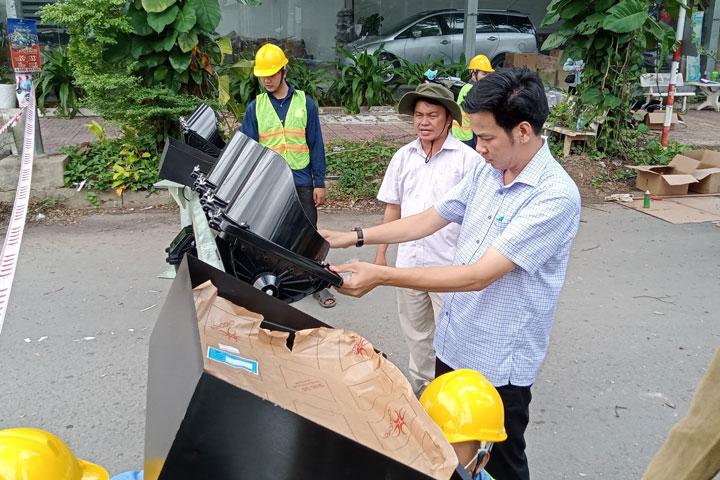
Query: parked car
{"x": 438, "y": 34}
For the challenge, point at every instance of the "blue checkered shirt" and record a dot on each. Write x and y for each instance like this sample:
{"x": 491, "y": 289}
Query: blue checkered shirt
{"x": 503, "y": 331}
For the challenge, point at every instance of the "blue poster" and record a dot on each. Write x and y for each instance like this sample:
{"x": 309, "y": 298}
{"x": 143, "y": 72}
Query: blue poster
{"x": 24, "y": 45}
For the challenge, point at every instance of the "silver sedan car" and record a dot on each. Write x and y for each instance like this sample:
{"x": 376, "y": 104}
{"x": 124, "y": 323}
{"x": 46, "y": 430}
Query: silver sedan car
{"x": 438, "y": 34}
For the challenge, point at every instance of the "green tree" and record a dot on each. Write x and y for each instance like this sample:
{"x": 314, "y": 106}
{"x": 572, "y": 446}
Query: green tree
{"x": 609, "y": 35}
{"x": 143, "y": 63}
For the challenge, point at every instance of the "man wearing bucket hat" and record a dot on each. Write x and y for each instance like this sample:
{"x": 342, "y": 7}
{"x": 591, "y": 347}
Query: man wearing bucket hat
{"x": 286, "y": 120}
{"x": 419, "y": 174}
{"x": 518, "y": 212}
{"x": 480, "y": 68}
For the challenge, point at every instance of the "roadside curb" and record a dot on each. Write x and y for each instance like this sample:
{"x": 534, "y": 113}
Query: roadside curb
{"x": 71, "y": 198}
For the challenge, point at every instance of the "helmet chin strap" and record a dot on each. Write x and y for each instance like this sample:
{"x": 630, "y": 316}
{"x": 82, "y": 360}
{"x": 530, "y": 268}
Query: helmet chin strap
{"x": 484, "y": 449}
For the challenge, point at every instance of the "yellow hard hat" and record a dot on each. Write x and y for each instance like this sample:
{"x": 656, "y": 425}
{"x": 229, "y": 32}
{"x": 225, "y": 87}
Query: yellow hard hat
{"x": 466, "y": 407}
{"x": 33, "y": 454}
{"x": 480, "y": 62}
{"x": 269, "y": 59}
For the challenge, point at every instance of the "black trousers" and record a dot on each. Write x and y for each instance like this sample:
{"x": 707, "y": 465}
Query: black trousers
{"x": 507, "y": 459}
{"x": 308, "y": 204}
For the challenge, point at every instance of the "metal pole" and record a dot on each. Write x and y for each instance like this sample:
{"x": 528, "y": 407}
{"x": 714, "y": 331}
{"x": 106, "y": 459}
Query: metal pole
{"x": 673, "y": 74}
{"x": 39, "y": 148}
{"x": 471, "y": 8}
{"x": 711, "y": 35}
{"x": 11, "y": 9}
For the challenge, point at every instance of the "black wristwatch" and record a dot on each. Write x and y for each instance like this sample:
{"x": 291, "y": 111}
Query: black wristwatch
{"x": 360, "y": 238}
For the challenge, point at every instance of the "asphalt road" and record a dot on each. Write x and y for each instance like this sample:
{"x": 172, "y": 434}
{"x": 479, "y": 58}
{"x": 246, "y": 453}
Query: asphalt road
{"x": 638, "y": 321}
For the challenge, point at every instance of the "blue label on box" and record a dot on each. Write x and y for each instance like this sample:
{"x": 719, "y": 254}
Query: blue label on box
{"x": 231, "y": 360}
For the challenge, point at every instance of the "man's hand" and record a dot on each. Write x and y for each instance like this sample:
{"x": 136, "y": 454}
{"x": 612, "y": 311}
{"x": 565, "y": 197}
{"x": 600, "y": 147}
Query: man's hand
{"x": 318, "y": 196}
{"x": 339, "y": 239}
{"x": 365, "y": 277}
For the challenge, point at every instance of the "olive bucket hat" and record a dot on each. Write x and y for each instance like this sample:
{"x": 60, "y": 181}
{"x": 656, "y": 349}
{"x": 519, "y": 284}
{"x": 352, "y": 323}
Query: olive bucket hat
{"x": 430, "y": 91}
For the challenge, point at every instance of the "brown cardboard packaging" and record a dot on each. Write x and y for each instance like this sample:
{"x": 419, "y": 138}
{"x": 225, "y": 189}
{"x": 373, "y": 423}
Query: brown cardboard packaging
{"x": 332, "y": 377}
{"x": 560, "y": 77}
{"x": 673, "y": 179}
{"x": 529, "y": 60}
{"x": 546, "y": 62}
{"x": 656, "y": 120}
{"x": 548, "y": 76}
{"x": 707, "y": 173}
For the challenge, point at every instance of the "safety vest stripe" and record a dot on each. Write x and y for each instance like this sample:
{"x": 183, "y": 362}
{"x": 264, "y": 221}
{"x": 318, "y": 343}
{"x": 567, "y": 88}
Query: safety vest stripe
{"x": 289, "y": 148}
{"x": 462, "y": 127}
{"x": 299, "y": 131}
{"x": 269, "y": 136}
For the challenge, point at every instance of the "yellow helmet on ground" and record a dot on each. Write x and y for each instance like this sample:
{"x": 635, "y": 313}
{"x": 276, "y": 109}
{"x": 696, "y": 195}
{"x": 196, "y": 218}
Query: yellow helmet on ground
{"x": 269, "y": 59}
{"x": 466, "y": 407}
{"x": 480, "y": 62}
{"x": 33, "y": 454}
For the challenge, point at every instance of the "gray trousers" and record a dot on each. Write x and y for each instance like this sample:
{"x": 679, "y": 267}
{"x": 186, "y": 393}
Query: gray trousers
{"x": 418, "y": 311}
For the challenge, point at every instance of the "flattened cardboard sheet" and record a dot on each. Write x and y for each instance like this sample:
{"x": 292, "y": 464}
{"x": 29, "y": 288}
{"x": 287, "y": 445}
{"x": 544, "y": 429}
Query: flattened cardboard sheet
{"x": 330, "y": 376}
{"x": 681, "y": 210}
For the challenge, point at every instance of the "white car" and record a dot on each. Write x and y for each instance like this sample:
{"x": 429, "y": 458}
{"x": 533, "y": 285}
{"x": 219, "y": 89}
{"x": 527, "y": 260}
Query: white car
{"x": 438, "y": 34}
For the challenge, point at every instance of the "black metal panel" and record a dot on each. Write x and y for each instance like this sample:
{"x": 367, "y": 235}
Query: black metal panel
{"x": 178, "y": 162}
{"x": 265, "y": 238}
{"x": 200, "y": 131}
{"x": 231, "y": 434}
{"x": 249, "y": 197}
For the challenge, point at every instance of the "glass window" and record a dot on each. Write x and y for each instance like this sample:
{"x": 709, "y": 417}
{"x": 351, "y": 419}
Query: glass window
{"x": 457, "y": 24}
{"x": 521, "y": 24}
{"x": 429, "y": 27}
{"x": 512, "y": 24}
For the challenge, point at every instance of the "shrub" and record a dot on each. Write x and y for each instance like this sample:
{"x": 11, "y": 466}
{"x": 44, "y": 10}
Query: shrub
{"x": 359, "y": 165}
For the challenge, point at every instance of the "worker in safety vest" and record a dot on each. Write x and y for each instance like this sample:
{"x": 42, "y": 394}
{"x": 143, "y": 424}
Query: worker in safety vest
{"x": 286, "y": 120}
{"x": 479, "y": 68}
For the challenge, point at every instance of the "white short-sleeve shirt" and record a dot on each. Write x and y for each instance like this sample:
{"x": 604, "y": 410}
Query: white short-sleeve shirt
{"x": 416, "y": 186}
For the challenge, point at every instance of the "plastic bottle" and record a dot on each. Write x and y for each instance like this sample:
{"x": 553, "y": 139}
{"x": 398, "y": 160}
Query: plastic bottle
{"x": 646, "y": 199}
{"x": 580, "y": 125}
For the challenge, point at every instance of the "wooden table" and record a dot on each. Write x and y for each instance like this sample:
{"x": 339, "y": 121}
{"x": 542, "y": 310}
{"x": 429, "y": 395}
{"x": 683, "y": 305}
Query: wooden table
{"x": 569, "y": 135}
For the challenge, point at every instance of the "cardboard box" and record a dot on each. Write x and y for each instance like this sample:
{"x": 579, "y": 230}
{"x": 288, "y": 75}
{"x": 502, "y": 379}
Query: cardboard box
{"x": 546, "y": 62}
{"x": 529, "y": 60}
{"x": 561, "y": 75}
{"x": 548, "y": 76}
{"x": 667, "y": 180}
{"x": 656, "y": 120}
{"x": 707, "y": 173}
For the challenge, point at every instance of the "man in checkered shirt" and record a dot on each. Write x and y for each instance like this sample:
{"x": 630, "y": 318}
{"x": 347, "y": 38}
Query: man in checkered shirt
{"x": 519, "y": 212}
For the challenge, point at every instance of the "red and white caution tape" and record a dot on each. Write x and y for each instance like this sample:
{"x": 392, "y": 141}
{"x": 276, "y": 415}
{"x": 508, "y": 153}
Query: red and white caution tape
{"x": 13, "y": 237}
{"x": 12, "y": 121}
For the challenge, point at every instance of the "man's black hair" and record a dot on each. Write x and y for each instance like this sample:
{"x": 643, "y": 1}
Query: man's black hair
{"x": 512, "y": 95}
